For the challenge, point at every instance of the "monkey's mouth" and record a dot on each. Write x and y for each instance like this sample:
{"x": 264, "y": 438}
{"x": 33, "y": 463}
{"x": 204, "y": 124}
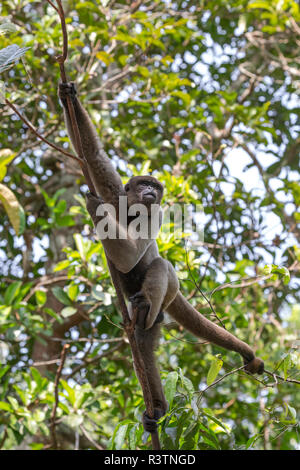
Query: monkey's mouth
{"x": 149, "y": 196}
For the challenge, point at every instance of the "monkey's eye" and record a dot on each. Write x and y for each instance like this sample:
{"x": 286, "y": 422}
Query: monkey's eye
{"x": 127, "y": 187}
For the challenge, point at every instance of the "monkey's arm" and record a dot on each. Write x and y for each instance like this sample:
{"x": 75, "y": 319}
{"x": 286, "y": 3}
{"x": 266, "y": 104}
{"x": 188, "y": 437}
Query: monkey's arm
{"x": 125, "y": 253}
{"x": 183, "y": 312}
{"x": 105, "y": 178}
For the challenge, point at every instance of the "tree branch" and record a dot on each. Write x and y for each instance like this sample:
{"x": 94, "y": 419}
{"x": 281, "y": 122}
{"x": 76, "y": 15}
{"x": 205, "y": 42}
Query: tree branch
{"x": 56, "y": 383}
{"x": 30, "y": 126}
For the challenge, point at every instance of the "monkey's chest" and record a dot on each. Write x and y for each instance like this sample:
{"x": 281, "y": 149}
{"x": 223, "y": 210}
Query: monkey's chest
{"x": 132, "y": 281}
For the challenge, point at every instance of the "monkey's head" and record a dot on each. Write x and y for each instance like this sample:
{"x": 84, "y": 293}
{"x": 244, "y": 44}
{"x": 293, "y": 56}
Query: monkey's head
{"x": 145, "y": 190}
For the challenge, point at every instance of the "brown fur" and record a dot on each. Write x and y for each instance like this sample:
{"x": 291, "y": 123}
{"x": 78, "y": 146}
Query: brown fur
{"x": 148, "y": 281}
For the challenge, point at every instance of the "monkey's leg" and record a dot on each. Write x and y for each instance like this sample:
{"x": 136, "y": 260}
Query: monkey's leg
{"x": 187, "y": 316}
{"x": 147, "y": 342}
{"x": 159, "y": 288}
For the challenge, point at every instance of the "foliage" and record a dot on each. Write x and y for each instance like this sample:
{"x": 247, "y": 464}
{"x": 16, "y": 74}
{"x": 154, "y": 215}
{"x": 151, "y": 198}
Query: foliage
{"x": 206, "y": 95}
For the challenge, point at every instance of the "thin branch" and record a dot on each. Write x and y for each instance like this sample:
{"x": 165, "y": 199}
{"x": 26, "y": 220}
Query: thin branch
{"x": 202, "y": 293}
{"x": 221, "y": 378}
{"x": 89, "y": 438}
{"x": 30, "y": 126}
{"x": 246, "y": 282}
{"x": 87, "y": 340}
{"x": 91, "y": 360}
{"x": 53, "y": 5}
{"x": 56, "y": 383}
{"x": 275, "y": 376}
{"x": 61, "y": 60}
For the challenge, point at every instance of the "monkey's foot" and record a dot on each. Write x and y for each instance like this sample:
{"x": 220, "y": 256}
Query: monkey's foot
{"x": 150, "y": 424}
{"x": 66, "y": 89}
{"x": 256, "y": 366}
{"x": 140, "y": 303}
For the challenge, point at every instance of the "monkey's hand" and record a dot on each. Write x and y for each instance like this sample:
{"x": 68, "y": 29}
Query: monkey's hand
{"x": 139, "y": 302}
{"x": 67, "y": 89}
{"x": 150, "y": 424}
{"x": 255, "y": 366}
{"x": 92, "y": 203}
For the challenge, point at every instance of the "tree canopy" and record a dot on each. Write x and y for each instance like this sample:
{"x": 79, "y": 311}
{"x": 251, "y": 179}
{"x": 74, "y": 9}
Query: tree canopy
{"x": 205, "y": 96}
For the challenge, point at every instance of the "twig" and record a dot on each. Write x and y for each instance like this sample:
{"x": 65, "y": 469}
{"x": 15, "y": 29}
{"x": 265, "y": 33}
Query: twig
{"x": 30, "y": 126}
{"x": 275, "y": 376}
{"x": 221, "y": 378}
{"x": 89, "y": 438}
{"x": 61, "y": 60}
{"x": 246, "y": 282}
{"x": 91, "y": 360}
{"x": 53, "y": 5}
{"x": 87, "y": 340}
{"x": 202, "y": 293}
{"x": 56, "y": 383}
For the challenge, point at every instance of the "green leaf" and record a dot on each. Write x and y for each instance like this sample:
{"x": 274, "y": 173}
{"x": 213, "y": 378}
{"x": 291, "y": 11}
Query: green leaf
{"x": 261, "y": 4}
{"x": 97, "y": 292}
{"x": 62, "y": 265}
{"x": 36, "y": 376}
{"x": 53, "y": 314}
{"x": 120, "y": 435}
{"x": 290, "y": 410}
{"x": 132, "y": 437}
{"x": 10, "y": 54}
{"x": 104, "y": 57}
{"x": 188, "y": 385}
{"x": 7, "y": 28}
{"x": 13, "y": 403}
{"x": 64, "y": 407}
{"x": 61, "y": 295}
{"x": 5, "y": 406}
{"x": 68, "y": 311}
{"x": 41, "y": 297}
{"x": 36, "y": 446}
{"x": 224, "y": 426}
{"x": 170, "y": 386}
{"x": 6, "y": 156}
{"x": 31, "y": 425}
{"x": 80, "y": 245}
{"x": 73, "y": 291}
{"x": 13, "y": 209}
{"x": 11, "y": 292}
{"x": 214, "y": 369}
{"x": 3, "y": 370}
{"x": 251, "y": 441}
{"x": 185, "y": 97}
{"x": 70, "y": 391}
{"x": 73, "y": 420}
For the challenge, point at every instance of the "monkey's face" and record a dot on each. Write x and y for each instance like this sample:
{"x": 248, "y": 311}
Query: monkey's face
{"x": 144, "y": 190}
